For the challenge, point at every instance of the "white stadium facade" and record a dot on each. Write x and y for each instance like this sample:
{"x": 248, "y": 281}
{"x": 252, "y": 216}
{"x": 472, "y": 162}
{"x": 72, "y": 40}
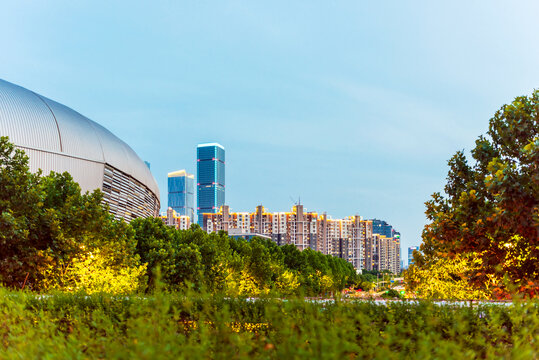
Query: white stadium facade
{"x": 57, "y": 138}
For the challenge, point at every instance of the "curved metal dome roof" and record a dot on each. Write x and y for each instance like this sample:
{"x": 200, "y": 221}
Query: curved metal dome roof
{"x": 36, "y": 122}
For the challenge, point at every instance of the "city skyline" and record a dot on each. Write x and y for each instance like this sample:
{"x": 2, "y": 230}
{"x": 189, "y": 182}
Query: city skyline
{"x": 369, "y": 244}
{"x": 211, "y": 169}
{"x": 353, "y": 107}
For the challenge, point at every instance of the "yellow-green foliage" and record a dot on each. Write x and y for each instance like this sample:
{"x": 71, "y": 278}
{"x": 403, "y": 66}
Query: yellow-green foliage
{"x": 241, "y": 283}
{"x": 445, "y": 278}
{"x": 287, "y": 283}
{"x": 326, "y": 283}
{"x": 93, "y": 272}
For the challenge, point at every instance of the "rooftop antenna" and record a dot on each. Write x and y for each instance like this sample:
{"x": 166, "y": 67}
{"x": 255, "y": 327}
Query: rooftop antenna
{"x": 298, "y": 202}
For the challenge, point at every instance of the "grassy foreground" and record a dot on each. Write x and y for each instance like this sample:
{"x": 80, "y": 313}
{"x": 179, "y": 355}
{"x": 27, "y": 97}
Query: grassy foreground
{"x": 165, "y": 326}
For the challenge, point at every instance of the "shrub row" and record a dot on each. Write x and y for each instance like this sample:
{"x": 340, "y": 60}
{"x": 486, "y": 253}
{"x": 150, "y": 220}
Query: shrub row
{"x": 197, "y": 326}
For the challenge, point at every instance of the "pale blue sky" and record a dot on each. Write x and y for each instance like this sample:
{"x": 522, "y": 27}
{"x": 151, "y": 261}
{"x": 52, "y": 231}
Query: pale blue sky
{"x": 354, "y": 106}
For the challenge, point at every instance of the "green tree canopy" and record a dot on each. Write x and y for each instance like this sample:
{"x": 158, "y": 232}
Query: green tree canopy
{"x": 491, "y": 207}
{"x": 47, "y": 225}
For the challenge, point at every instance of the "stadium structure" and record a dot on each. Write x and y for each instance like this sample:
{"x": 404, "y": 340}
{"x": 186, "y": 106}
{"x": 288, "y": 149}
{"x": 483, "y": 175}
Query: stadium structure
{"x": 57, "y": 138}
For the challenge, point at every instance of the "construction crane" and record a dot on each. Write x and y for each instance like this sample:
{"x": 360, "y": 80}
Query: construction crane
{"x": 294, "y": 201}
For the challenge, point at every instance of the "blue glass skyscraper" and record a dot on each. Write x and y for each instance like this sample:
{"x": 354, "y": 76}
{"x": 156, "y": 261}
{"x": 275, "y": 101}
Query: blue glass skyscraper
{"x": 210, "y": 179}
{"x": 382, "y": 227}
{"x": 181, "y": 193}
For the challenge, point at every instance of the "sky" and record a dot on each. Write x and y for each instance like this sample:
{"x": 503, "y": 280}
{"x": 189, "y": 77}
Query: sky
{"x": 352, "y": 106}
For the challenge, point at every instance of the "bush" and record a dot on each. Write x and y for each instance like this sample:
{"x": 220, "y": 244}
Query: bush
{"x": 392, "y": 294}
{"x": 195, "y": 325}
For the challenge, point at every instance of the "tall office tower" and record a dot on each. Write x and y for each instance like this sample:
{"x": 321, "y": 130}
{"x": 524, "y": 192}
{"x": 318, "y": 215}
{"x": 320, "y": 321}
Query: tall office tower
{"x": 382, "y": 227}
{"x": 210, "y": 179}
{"x": 181, "y": 193}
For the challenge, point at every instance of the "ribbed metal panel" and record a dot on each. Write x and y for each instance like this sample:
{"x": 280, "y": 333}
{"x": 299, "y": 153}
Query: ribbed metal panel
{"x": 57, "y": 138}
{"x": 26, "y": 119}
{"x": 120, "y": 156}
{"x": 126, "y": 197}
{"x": 88, "y": 174}
{"x": 77, "y": 135}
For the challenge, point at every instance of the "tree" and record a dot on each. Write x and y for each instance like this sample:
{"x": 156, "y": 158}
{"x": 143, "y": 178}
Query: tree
{"x": 287, "y": 283}
{"x": 156, "y": 247}
{"x": 491, "y": 208}
{"x": 447, "y": 278}
{"x": 46, "y": 224}
{"x": 20, "y": 196}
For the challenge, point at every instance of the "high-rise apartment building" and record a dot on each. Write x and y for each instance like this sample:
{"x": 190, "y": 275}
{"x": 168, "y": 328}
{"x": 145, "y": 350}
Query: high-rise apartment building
{"x": 181, "y": 193}
{"x": 351, "y": 238}
{"x": 344, "y": 238}
{"x": 295, "y": 227}
{"x": 369, "y": 253}
{"x": 394, "y": 257}
{"x": 210, "y": 179}
{"x": 383, "y": 253}
{"x": 172, "y": 218}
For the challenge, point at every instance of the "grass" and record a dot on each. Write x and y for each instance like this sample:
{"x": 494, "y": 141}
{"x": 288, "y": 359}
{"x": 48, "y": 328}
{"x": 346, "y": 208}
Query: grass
{"x": 194, "y": 326}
